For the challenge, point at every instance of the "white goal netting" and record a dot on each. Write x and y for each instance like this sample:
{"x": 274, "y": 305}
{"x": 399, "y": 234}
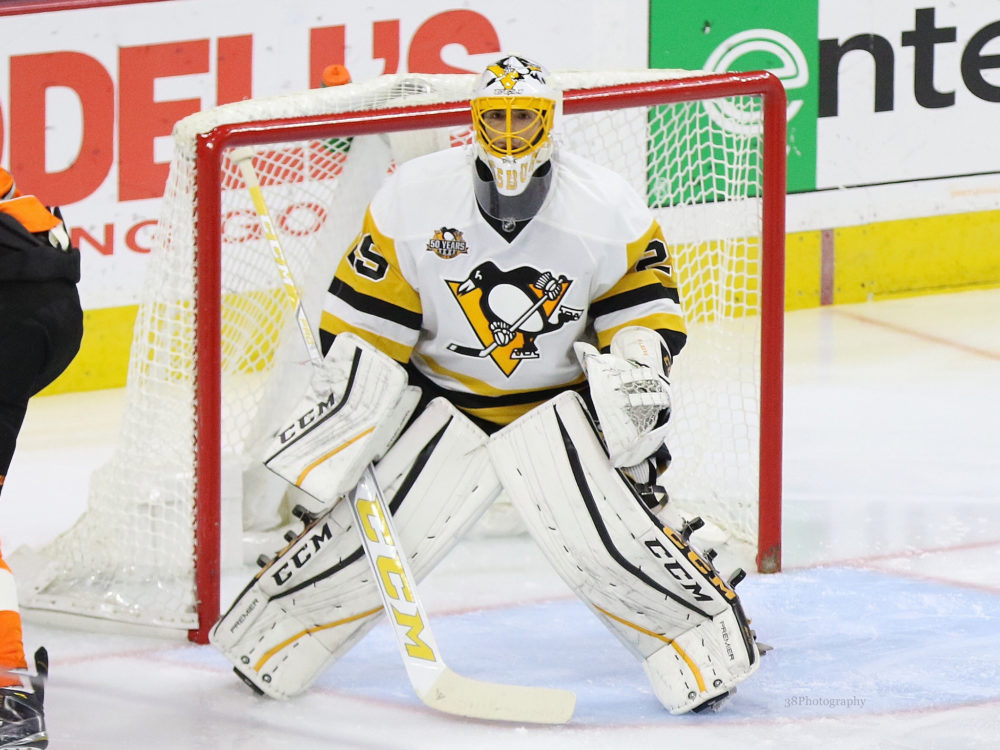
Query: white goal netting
{"x": 134, "y": 553}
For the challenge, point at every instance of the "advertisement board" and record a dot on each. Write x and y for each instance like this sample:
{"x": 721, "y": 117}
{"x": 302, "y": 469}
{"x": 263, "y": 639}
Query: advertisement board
{"x": 893, "y": 176}
{"x": 87, "y": 108}
{"x": 879, "y": 93}
{"x": 728, "y": 35}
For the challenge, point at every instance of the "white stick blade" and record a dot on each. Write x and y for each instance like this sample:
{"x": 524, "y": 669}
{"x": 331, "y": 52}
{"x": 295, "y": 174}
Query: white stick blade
{"x": 462, "y": 696}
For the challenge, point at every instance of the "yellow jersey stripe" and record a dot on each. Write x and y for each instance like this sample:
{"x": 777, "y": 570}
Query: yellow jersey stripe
{"x": 334, "y": 325}
{"x": 481, "y": 388}
{"x": 371, "y": 269}
{"x": 635, "y": 250}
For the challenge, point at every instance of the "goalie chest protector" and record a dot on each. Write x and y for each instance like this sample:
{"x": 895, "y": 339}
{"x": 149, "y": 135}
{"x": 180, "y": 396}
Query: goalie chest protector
{"x": 446, "y": 263}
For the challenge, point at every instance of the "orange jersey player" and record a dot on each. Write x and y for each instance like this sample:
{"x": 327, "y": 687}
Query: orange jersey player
{"x": 41, "y": 324}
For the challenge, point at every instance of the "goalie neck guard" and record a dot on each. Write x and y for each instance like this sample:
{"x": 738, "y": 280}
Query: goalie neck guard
{"x": 513, "y": 111}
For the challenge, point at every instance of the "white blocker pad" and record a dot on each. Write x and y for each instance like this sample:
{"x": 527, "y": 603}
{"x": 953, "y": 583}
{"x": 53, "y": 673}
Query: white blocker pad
{"x": 356, "y": 404}
{"x": 664, "y": 602}
{"x": 317, "y": 598}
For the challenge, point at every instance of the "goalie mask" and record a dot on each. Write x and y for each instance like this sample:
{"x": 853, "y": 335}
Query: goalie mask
{"x": 513, "y": 110}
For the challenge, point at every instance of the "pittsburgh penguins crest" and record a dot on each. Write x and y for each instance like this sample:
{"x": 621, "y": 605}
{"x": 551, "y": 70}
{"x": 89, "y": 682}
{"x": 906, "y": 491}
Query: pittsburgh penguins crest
{"x": 447, "y": 243}
{"x": 512, "y": 69}
{"x": 509, "y": 310}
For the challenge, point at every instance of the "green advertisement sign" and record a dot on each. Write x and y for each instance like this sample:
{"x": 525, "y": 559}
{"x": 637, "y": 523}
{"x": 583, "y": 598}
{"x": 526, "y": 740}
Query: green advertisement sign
{"x": 741, "y": 35}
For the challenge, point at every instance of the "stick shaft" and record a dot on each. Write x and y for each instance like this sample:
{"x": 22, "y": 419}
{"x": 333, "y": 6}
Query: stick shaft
{"x": 433, "y": 681}
{"x": 244, "y": 160}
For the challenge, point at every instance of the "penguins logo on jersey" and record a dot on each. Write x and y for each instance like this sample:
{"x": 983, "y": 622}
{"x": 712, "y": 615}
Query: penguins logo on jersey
{"x": 447, "y": 243}
{"x": 509, "y": 310}
{"x": 512, "y": 69}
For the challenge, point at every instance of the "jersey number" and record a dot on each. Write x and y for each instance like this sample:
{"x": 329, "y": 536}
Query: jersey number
{"x": 655, "y": 258}
{"x": 366, "y": 260}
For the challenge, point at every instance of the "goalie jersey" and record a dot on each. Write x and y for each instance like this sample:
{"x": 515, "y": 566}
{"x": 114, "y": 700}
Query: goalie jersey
{"x": 490, "y": 318}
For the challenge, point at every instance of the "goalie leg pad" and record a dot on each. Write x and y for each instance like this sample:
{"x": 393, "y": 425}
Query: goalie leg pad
{"x": 657, "y": 595}
{"x": 355, "y": 406}
{"x": 317, "y": 598}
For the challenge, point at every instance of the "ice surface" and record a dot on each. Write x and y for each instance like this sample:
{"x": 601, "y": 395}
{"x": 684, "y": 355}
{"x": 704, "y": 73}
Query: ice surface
{"x": 883, "y": 624}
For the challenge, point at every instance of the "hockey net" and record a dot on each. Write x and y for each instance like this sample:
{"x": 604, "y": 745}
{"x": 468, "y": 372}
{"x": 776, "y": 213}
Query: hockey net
{"x": 216, "y": 362}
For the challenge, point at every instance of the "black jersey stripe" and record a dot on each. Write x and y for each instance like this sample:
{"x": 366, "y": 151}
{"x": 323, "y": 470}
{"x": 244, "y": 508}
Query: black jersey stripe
{"x": 466, "y": 401}
{"x": 375, "y": 306}
{"x": 674, "y": 340}
{"x": 325, "y": 340}
{"x": 633, "y": 298}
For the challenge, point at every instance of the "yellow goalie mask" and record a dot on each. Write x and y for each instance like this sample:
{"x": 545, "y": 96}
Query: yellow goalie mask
{"x": 513, "y": 110}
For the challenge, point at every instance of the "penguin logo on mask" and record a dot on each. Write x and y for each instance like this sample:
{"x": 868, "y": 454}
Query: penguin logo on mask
{"x": 512, "y": 69}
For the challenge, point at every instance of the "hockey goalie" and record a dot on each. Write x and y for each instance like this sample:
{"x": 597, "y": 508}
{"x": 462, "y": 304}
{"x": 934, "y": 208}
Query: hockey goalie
{"x": 505, "y": 322}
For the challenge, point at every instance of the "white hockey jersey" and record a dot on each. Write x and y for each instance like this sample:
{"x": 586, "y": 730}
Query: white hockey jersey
{"x": 490, "y": 322}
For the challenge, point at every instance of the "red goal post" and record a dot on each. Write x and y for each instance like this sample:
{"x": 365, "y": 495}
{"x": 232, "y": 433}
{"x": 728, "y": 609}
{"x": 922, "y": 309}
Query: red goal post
{"x": 763, "y": 292}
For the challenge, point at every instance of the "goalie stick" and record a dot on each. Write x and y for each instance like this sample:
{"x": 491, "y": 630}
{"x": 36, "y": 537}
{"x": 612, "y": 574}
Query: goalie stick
{"x": 433, "y": 681}
{"x": 243, "y": 158}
